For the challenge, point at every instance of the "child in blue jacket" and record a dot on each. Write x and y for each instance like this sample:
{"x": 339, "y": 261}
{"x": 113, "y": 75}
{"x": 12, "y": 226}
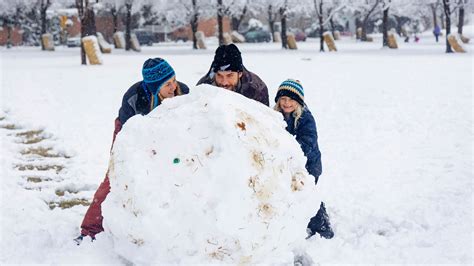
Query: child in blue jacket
{"x": 301, "y": 124}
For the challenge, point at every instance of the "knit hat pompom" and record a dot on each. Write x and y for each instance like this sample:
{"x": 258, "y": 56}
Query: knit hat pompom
{"x": 227, "y": 58}
{"x": 155, "y": 72}
{"x": 291, "y": 88}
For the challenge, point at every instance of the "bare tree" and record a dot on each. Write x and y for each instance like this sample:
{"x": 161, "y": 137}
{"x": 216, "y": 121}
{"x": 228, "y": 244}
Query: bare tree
{"x": 189, "y": 12}
{"x": 461, "y": 16}
{"x": 236, "y": 10}
{"x": 114, "y": 12}
{"x": 385, "y": 8}
{"x": 220, "y": 14}
{"x": 128, "y": 24}
{"x": 319, "y": 13}
{"x": 330, "y": 8}
{"x": 44, "y": 5}
{"x": 283, "y": 16}
{"x": 194, "y": 22}
{"x": 87, "y": 17}
{"x": 434, "y": 7}
{"x": 366, "y": 18}
{"x": 272, "y": 14}
{"x": 447, "y": 14}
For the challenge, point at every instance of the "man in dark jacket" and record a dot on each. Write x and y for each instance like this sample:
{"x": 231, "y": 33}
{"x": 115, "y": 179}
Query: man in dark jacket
{"x": 227, "y": 71}
{"x": 159, "y": 82}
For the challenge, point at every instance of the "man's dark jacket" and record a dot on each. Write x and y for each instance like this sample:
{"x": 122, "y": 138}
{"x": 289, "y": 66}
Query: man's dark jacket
{"x": 250, "y": 85}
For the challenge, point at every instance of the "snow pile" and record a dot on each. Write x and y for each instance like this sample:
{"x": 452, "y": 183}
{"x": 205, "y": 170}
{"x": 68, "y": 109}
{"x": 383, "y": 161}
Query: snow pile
{"x": 210, "y": 177}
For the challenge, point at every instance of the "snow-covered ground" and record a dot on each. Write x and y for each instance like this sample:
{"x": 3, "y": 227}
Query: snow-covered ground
{"x": 395, "y": 131}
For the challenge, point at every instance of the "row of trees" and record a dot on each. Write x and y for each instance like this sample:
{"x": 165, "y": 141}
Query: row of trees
{"x": 31, "y": 15}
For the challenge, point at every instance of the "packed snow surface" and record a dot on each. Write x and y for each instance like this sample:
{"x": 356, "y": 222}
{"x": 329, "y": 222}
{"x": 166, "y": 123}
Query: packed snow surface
{"x": 394, "y": 125}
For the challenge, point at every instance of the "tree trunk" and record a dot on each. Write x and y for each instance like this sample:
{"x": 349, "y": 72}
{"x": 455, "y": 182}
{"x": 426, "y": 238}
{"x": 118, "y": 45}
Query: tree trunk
{"x": 83, "y": 50}
{"x": 237, "y": 20}
{"x": 358, "y": 24}
{"x": 385, "y": 27}
{"x": 128, "y": 25}
{"x": 220, "y": 11}
{"x": 321, "y": 27}
{"x": 89, "y": 22}
{"x": 447, "y": 13}
{"x": 9, "y": 34}
{"x": 366, "y": 20}
{"x": 87, "y": 16}
{"x": 443, "y": 20}
{"x": 81, "y": 10}
{"x": 271, "y": 19}
{"x": 461, "y": 20}
{"x": 43, "y": 8}
{"x": 435, "y": 17}
{"x": 319, "y": 13}
{"x": 194, "y": 23}
{"x": 114, "y": 12}
{"x": 284, "y": 40}
{"x": 333, "y": 29}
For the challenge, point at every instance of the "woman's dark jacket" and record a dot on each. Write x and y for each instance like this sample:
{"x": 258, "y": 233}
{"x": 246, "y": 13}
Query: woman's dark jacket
{"x": 135, "y": 101}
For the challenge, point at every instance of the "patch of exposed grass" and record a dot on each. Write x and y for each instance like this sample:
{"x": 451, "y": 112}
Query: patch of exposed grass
{"x": 24, "y": 167}
{"x": 60, "y": 192}
{"x": 9, "y": 126}
{"x": 30, "y": 133}
{"x": 33, "y": 188}
{"x": 65, "y": 204}
{"x": 41, "y": 151}
{"x": 31, "y": 136}
{"x": 37, "y": 179}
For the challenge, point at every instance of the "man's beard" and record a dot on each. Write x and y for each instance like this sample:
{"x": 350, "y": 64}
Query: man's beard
{"x": 229, "y": 87}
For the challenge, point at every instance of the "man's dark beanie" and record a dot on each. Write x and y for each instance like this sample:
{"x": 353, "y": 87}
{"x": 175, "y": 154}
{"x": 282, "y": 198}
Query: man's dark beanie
{"x": 227, "y": 58}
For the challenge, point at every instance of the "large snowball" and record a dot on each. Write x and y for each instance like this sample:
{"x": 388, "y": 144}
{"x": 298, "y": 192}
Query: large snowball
{"x": 210, "y": 177}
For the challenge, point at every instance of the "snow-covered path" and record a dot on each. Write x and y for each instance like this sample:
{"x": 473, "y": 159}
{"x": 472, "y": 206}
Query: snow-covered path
{"x": 395, "y": 131}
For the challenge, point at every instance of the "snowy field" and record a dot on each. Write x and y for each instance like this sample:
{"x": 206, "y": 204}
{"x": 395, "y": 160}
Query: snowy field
{"x": 395, "y": 131}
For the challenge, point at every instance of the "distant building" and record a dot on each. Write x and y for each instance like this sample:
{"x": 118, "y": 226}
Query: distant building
{"x": 71, "y": 25}
{"x": 207, "y": 26}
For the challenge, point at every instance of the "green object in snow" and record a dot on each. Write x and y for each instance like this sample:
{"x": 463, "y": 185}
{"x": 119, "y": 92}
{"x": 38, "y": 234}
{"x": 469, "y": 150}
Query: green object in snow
{"x": 176, "y": 160}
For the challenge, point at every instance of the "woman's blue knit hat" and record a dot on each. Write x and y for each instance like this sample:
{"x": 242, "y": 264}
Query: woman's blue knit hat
{"x": 291, "y": 88}
{"x": 155, "y": 72}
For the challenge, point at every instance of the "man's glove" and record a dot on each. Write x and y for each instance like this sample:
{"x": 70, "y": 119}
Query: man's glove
{"x": 79, "y": 239}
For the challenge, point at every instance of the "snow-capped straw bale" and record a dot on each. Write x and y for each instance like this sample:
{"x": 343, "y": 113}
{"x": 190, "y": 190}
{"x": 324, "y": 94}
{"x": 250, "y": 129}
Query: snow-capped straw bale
{"x": 134, "y": 43}
{"x": 237, "y": 37}
{"x": 464, "y": 39}
{"x": 290, "y": 37}
{"x": 392, "y": 40}
{"x": 276, "y": 36}
{"x": 48, "y": 41}
{"x": 201, "y": 40}
{"x": 119, "y": 40}
{"x": 455, "y": 43}
{"x": 91, "y": 46}
{"x": 105, "y": 47}
{"x": 329, "y": 41}
{"x": 227, "y": 38}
